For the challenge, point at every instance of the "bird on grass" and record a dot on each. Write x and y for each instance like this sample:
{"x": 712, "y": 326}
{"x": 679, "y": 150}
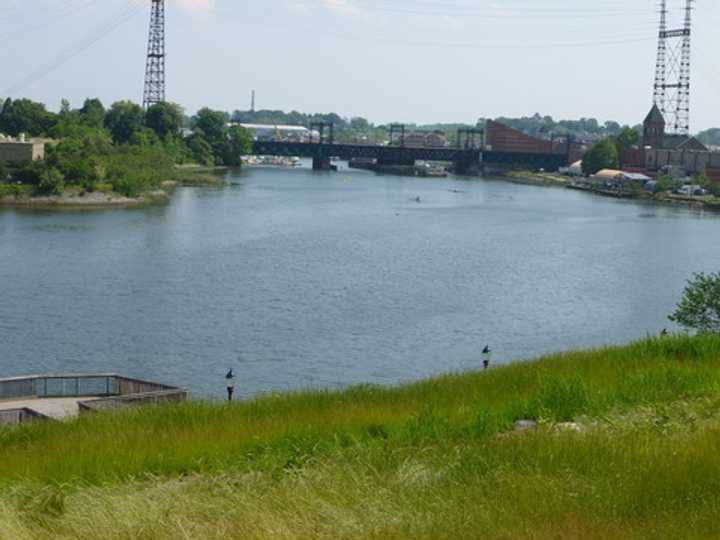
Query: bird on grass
{"x": 230, "y": 374}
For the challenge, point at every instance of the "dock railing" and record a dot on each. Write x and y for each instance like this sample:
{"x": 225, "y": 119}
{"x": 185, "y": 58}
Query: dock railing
{"x": 81, "y": 385}
{"x": 103, "y": 391}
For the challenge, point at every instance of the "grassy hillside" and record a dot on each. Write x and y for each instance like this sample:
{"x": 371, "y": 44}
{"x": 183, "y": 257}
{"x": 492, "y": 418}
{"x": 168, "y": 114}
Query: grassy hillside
{"x": 436, "y": 459}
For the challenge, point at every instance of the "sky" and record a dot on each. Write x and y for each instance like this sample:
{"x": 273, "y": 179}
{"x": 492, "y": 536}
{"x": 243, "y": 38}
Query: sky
{"x": 413, "y": 61}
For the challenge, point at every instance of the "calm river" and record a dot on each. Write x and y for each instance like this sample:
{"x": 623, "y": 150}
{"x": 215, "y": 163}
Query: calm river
{"x": 305, "y": 280}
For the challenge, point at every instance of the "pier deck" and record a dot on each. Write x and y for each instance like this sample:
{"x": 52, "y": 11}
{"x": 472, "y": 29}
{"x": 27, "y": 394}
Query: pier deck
{"x": 56, "y": 397}
{"x": 55, "y": 408}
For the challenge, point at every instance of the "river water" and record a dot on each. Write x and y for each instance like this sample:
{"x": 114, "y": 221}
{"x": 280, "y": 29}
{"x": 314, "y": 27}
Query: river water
{"x": 310, "y": 280}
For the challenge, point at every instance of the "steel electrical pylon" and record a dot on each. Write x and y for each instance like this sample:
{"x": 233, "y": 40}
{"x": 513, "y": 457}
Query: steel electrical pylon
{"x": 155, "y": 65}
{"x": 672, "y": 74}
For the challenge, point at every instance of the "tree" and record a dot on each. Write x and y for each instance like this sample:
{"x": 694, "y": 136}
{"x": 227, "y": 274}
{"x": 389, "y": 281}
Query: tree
{"x": 93, "y": 113}
{"x": 604, "y": 155}
{"x": 239, "y": 144}
{"x": 699, "y": 308}
{"x": 165, "y": 119}
{"x": 665, "y": 182}
{"x": 144, "y": 137}
{"x": 123, "y": 119}
{"x": 25, "y": 116}
{"x": 214, "y": 128}
{"x": 701, "y": 179}
{"x": 200, "y": 149}
{"x": 612, "y": 128}
{"x": 627, "y": 138}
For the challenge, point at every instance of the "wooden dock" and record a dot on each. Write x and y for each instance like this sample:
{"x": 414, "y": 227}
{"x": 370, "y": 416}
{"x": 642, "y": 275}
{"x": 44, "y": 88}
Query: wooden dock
{"x": 43, "y": 397}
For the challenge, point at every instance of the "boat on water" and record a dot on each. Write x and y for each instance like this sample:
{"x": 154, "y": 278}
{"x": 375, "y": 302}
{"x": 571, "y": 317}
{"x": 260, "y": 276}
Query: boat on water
{"x": 271, "y": 161}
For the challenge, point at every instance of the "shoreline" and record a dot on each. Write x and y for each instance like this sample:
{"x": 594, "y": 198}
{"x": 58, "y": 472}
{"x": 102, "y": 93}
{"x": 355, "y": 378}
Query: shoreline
{"x": 76, "y": 198}
{"x": 660, "y": 199}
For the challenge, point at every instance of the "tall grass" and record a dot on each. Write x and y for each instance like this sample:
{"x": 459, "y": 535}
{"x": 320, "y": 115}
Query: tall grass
{"x": 267, "y": 432}
{"x": 419, "y": 461}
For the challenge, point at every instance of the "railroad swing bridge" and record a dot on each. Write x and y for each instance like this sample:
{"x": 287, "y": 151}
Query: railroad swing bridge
{"x": 469, "y": 156}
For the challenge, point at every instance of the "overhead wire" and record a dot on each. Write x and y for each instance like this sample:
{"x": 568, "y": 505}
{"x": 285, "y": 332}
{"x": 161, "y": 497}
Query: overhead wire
{"x": 68, "y": 54}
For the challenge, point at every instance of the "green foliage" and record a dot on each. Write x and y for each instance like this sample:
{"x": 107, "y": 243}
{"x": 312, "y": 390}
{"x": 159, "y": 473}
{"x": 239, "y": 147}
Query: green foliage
{"x": 699, "y": 308}
{"x": 133, "y": 170}
{"x": 165, "y": 119}
{"x": 701, "y": 180}
{"x": 29, "y": 173}
{"x": 627, "y": 138}
{"x": 201, "y": 150}
{"x": 560, "y": 399}
{"x": 144, "y": 137}
{"x": 92, "y": 113}
{"x": 25, "y": 116}
{"x": 178, "y": 150}
{"x": 14, "y": 190}
{"x": 213, "y": 125}
{"x": 51, "y": 182}
{"x": 123, "y": 119}
{"x": 239, "y": 143}
{"x": 604, "y": 155}
{"x": 665, "y": 182}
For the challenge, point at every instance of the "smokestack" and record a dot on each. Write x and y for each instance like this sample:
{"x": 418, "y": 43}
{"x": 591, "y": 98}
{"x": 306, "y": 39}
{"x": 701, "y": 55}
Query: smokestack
{"x": 252, "y": 102}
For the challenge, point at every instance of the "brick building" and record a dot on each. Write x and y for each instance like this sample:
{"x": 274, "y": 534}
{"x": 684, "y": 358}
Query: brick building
{"x": 501, "y": 138}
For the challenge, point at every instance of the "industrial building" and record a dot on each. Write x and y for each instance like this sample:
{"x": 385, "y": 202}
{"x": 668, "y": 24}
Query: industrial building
{"x": 21, "y": 151}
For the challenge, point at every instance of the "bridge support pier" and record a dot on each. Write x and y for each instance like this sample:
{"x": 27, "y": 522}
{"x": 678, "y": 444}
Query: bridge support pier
{"x": 468, "y": 167}
{"x": 321, "y": 163}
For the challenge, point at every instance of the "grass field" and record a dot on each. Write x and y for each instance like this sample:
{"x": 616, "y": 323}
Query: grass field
{"x": 435, "y": 459}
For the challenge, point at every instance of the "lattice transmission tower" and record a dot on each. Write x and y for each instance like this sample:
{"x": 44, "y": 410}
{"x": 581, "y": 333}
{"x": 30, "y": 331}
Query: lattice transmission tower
{"x": 672, "y": 73}
{"x": 155, "y": 64}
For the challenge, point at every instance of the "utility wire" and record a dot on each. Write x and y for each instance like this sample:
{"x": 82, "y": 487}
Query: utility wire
{"x": 71, "y": 52}
{"x": 35, "y": 27}
{"x": 468, "y": 45}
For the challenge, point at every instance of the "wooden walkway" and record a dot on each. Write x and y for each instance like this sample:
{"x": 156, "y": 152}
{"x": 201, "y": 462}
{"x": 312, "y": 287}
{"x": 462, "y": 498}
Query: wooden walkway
{"x": 56, "y": 408}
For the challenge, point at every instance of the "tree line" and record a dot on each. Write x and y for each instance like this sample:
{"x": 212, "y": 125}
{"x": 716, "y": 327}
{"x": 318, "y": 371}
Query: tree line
{"x": 125, "y": 146}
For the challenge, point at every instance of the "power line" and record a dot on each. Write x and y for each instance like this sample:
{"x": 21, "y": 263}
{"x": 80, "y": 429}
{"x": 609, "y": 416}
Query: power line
{"x": 72, "y": 52}
{"x": 62, "y": 15}
{"x": 446, "y": 44}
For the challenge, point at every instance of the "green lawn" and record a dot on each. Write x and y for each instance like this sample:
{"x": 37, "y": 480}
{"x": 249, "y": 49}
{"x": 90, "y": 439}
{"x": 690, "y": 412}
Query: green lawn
{"x": 435, "y": 459}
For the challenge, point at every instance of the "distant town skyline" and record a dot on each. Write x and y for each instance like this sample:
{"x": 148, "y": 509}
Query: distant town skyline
{"x": 421, "y": 61}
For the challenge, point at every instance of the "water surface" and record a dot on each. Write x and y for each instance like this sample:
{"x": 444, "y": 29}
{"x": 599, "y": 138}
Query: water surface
{"x": 300, "y": 279}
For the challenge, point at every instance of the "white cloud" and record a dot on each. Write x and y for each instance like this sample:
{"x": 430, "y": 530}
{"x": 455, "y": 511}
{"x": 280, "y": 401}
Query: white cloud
{"x": 196, "y": 5}
{"x": 344, "y": 7}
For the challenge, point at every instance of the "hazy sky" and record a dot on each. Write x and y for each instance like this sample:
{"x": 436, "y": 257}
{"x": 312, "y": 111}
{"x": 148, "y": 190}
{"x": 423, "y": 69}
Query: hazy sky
{"x": 388, "y": 60}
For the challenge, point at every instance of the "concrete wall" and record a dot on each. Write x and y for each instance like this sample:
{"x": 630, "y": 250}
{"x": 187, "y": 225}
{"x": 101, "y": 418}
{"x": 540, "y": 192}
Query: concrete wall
{"x": 20, "y": 152}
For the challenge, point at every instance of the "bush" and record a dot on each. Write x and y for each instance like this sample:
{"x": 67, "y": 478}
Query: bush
{"x": 52, "y": 182}
{"x": 30, "y": 173}
{"x": 699, "y": 308}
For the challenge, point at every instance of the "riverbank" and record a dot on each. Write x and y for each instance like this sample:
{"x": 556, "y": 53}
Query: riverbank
{"x": 618, "y": 442}
{"x": 74, "y": 197}
{"x": 536, "y": 178}
{"x": 557, "y": 180}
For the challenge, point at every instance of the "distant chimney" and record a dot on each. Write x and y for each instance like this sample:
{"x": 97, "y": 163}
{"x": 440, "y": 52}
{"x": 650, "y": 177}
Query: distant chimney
{"x": 252, "y": 102}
